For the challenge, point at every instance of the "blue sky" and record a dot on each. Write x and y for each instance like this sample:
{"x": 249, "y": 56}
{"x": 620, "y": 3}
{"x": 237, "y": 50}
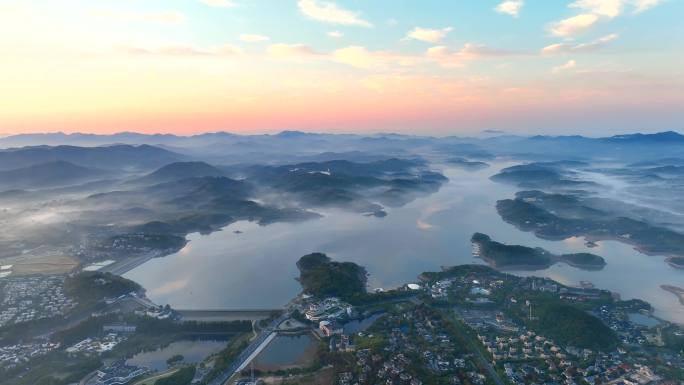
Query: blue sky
{"x": 345, "y": 65}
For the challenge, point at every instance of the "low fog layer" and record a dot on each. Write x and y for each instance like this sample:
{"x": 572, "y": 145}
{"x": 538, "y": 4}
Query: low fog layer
{"x": 96, "y": 197}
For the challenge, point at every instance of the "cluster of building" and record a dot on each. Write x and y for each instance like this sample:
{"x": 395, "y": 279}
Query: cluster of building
{"x": 526, "y": 346}
{"x": 481, "y": 318}
{"x": 95, "y": 345}
{"x": 603, "y": 369}
{"x": 328, "y": 309}
{"x": 413, "y": 342}
{"x": 477, "y": 289}
{"x": 13, "y": 355}
{"x": 628, "y": 332}
{"x": 159, "y": 312}
{"x": 118, "y": 373}
{"x": 26, "y": 299}
{"x": 440, "y": 289}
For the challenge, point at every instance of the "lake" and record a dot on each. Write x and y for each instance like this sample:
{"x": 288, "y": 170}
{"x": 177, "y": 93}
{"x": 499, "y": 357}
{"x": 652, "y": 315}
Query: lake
{"x": 256, "y": 268}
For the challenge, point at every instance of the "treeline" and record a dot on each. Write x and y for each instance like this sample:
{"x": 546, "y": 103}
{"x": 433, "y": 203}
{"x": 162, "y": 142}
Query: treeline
{"x": 148, "y": 326}
{"x": 322, "y": 277}
{"x": 92, "y": 286}
{"x": 53, "y": 369}
{"x": 225, "y": 358}
{"x": 182, "y": 377}
{"x": 570, "y": 326}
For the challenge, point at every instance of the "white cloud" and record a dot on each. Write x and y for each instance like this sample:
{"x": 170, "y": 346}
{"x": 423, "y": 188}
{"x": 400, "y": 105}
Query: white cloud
{"x": 357, "y": 56}
{"x": 604, "y": 8}
{"x": 335, "y": 34}
{"x": 428, "y": 35}
{"x": 574, "y": 25}
{"x": 328, "y": 12}
{"x": 613, "y": 8}
{"x": 643, "y": 5}
{"x": 595, "y": 10}
{"x": 584, "y": 47}
{"x": 218, "y": 3}
{"x": 510, "y": 7}
{"x": 251, "y": 38}
{"x": 570, "y": 64}
{"x": 596, "y": 44}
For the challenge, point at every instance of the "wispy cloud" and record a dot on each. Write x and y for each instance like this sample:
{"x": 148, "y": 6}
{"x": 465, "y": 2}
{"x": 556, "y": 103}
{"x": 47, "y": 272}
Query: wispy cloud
{"x": 329, "y": 12}
{"x": 335, "y": 34}
{"x": 447, "y": 57}
{"x": 583, "y": 47}
{"x": 570, "y": 64}
{"x": 643, "y": 5}
{"x": 218, "y": 3}
{"x": 574, "y": 25}
{"x": 428, "y": 34}
{"x": 595, "y": 10}
{"x": 510, "y": 7}
{"x": 252, "y": 38}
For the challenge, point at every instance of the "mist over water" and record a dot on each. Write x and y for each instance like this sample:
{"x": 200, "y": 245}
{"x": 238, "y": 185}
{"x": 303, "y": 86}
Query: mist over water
{"x": 256, "y": 268}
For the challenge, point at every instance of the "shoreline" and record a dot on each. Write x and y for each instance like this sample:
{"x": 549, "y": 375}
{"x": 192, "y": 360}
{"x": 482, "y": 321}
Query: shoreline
{"x": 670, "y": 261}
{"x": 677, "y": 291}
{"x": 593, "y": 238}
{"x": 480, "y": 245}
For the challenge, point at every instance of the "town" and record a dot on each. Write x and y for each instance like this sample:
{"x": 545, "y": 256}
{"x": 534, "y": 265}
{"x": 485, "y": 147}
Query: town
{"x": 465, "y": 325}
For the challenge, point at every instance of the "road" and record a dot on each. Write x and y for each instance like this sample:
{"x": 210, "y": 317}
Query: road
{"x": 481, "y": 357}
{"x": 247, "y": 352}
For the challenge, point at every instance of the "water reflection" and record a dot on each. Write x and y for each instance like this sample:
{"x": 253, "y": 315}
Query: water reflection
{"x": 256, "y": 268}
{"x": 287, "y": 351}
{"x": 193, "y": 352}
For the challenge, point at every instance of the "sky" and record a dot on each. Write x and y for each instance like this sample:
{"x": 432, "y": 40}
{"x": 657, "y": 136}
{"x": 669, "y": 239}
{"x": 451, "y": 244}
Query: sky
{"x": 438, "y": 67}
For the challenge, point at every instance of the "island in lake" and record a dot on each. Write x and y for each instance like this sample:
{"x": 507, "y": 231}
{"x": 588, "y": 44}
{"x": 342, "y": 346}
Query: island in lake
{"x": 517, "y": 257}
{"x": 322, "y": 277}
{"x": 466, "y": 164}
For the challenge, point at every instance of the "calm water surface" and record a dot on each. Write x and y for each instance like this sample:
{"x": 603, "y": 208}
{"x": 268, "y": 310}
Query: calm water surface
{"x": 193, "y": 352}
{"x": 256, "y": 269}
{"x": 286, "y": 351}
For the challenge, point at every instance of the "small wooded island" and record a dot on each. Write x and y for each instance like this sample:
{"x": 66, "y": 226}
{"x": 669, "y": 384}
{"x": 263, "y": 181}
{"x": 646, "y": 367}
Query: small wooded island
{"x": 517, "y": 257}
{"x": 322, "y": 277}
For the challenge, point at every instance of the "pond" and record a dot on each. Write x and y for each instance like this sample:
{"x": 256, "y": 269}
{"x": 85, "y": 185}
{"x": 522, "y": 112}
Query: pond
{"x": 287, "y": 351}
{"x": 193, "y": 351}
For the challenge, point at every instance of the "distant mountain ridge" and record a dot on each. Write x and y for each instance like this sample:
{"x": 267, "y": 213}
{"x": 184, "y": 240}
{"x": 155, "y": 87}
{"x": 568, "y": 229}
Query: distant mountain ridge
{"x": 132, "y": 138}
{"x": 116, "y": 157}
{"x": 181, "y": 170}
{"x": 51, "y": 174}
